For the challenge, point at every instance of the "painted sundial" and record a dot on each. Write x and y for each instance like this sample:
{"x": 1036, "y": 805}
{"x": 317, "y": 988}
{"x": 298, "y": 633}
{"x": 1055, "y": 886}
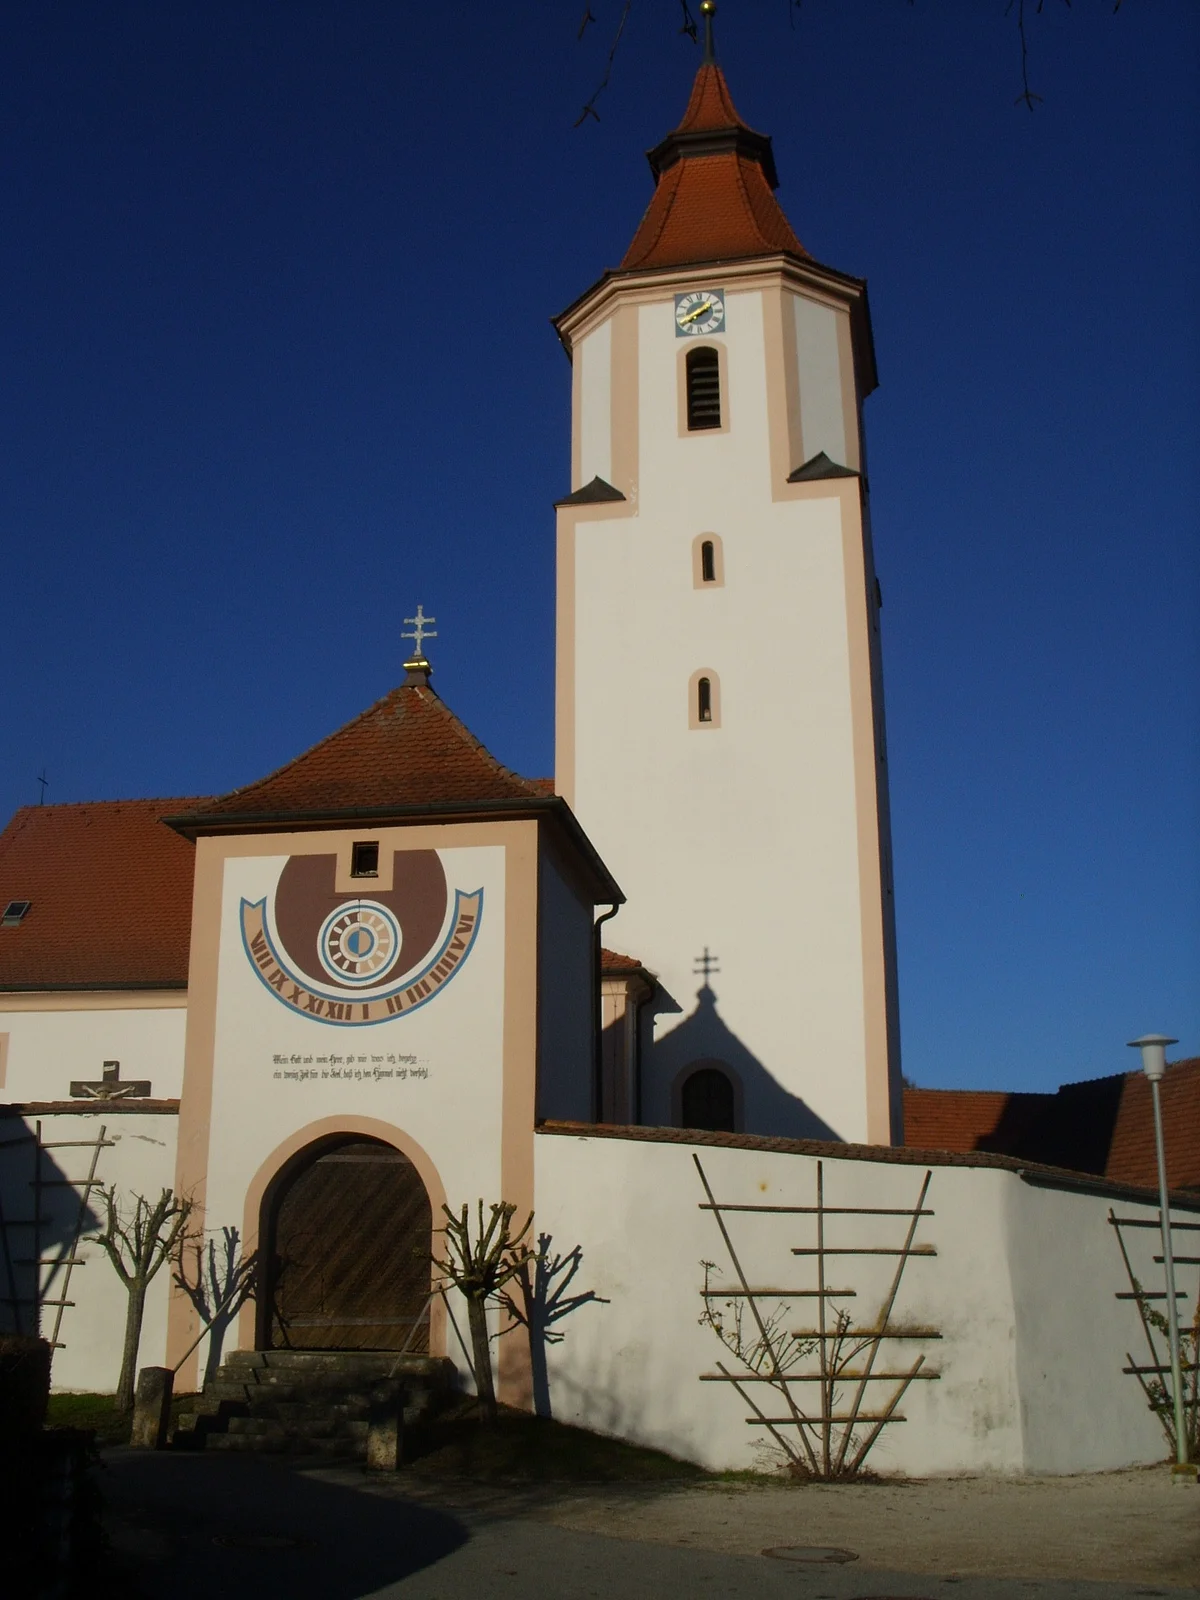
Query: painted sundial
{"x": 355, "y": 958}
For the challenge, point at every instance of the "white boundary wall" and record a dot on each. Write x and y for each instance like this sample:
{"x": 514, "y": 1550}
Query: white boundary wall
{"x": 140, "y": 1160}
{"x": 1023, "y": 1288}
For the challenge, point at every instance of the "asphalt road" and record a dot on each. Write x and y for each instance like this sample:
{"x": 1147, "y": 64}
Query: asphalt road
{"x": 195, "y": 1527}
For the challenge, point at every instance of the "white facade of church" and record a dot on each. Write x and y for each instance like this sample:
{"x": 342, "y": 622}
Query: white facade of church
{"x": 388, "y": 967}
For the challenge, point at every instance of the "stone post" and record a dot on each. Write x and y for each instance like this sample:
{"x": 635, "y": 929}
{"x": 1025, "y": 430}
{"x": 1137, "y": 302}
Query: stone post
{"x": 385, "y": 1429}
{"x": 152, "y": 1408}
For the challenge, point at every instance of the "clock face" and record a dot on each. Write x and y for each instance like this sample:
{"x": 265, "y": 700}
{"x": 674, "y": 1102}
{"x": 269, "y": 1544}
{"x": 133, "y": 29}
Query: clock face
{"x": 699, "y": 311}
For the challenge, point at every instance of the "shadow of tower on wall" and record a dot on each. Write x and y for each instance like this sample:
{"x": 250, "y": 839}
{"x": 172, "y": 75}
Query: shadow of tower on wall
{"x": 704, "y": 1039}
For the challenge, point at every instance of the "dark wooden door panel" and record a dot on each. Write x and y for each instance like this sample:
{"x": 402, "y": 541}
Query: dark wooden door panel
{"x": 352, "y": 1238}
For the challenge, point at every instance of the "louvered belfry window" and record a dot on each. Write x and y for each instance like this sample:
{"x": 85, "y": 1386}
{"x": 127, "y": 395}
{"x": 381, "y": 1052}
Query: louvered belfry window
{"x": 703, "y": 388}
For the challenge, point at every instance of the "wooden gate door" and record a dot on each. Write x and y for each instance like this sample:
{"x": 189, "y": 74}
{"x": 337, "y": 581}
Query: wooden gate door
{"x": 352, "y": 1234}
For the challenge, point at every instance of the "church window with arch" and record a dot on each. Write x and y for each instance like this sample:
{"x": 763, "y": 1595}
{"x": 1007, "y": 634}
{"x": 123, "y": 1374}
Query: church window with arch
{"x": 708, "y": 1100}
{"x": 704, "y": 697}
{"x": 708, "y": 561}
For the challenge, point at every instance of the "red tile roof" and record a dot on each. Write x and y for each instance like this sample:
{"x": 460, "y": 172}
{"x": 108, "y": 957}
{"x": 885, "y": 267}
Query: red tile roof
{"x": 613, "y": 961}
{"x": 1038, "y": 1173}
{"x": 1131, "y": 1156}
{"x": 408, "y": 749}
{"x": 712, "y": 199}
{"x": 958, "y": 1119}
{"x": 111, "y": 884}
{"x": 1103, "y": 1126}
{"x": 711, "y": 105}
{"x": 111, "y": 892}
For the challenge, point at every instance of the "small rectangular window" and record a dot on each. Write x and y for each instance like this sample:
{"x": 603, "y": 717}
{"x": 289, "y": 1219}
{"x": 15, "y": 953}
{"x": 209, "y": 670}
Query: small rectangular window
{"x": 15, "y": 913}
{"x": 364, "y": 860}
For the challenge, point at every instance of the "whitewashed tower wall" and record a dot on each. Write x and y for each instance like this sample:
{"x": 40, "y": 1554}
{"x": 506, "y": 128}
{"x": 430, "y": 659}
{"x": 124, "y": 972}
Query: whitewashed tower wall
{"x": 763, "y": 833}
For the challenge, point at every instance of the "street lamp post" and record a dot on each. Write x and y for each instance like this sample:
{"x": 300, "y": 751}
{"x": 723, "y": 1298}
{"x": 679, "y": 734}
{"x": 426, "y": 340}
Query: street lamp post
{"x": 1154, "y": 1064}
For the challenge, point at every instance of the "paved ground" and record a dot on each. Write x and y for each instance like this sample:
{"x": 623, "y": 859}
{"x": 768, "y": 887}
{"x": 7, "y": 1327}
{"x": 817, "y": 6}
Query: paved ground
{"x": 192, "y": 1526}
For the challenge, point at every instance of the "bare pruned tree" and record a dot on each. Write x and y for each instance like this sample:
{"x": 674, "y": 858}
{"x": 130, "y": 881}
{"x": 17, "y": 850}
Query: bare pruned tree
{"x": 137, "y": 1243}
{"x": 479, "y": 1268}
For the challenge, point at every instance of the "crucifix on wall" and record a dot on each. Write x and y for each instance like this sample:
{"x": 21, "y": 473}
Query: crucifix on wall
{"x": 110, "y": 1087}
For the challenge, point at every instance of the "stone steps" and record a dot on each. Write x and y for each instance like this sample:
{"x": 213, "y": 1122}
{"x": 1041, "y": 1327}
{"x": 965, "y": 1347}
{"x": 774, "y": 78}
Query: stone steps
{"x": 311, "y": 1401}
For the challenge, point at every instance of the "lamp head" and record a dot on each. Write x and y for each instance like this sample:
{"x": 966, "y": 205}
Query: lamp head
{"x": 1154, "y": 1053}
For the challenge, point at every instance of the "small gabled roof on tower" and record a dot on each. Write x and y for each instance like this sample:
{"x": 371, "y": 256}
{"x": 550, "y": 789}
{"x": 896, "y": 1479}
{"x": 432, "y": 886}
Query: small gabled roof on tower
{"x": 405, "y": 751}
{"x": 407, "y": 758}
{"x": 713, "y": 198}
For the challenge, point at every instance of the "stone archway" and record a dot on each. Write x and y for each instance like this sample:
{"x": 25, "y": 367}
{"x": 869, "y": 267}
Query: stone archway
{"x": 346, "y": 1232}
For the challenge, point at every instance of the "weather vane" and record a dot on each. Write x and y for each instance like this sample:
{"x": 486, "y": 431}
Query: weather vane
{"x": 43, "y": 780}
{"x": 421, "y": 632}
{"x": 706, "y": 965}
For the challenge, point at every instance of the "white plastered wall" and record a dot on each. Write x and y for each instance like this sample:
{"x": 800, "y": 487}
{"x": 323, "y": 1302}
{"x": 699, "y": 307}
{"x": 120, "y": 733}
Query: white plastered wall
{"x": 48, "y": 1049}
{"x": 1022, "y": 1289}
{"x": 139, "y": 1160}
{"x": 742, "y": 837}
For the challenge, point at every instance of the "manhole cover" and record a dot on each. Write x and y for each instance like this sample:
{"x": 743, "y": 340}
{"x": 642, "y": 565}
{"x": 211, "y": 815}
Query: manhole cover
{"x": 258, "y": 1541}
{"x": 819, "y": 1554}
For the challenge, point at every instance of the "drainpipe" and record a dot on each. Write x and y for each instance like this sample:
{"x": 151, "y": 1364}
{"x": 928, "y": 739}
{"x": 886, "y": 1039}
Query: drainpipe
{"x": 598, "y": 1010}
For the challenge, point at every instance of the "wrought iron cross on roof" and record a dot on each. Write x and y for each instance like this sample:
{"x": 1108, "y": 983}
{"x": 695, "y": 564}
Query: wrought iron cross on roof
{"x": 706, "y": 965}
{"x": 421, "y": 632}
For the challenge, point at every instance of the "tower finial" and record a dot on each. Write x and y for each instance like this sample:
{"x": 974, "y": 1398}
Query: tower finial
{"x": 708, "y": 10}
{"x": 417, "y": 667}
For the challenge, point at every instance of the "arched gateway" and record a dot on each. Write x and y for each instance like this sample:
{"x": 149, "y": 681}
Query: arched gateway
{"x": 346, "y": 1232}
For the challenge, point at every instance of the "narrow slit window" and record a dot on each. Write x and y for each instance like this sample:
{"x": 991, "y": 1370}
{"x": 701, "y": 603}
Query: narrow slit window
{"x": 708, "y": 562}
{"x": 364, "y": 860}
{"x": 703, "y": 388}
{"x": 704, "y": 700}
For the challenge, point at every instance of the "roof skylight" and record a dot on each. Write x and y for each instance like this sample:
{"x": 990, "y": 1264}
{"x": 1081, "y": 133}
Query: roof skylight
{"x": 15, "y": 913}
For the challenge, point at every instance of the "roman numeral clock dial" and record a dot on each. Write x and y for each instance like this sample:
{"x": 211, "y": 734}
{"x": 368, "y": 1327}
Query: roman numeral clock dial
{"x": 699, "y": 311}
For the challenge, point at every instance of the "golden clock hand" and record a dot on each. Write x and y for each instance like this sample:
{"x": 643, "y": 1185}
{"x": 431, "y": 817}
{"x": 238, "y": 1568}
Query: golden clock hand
{"x": 699, "y": 312}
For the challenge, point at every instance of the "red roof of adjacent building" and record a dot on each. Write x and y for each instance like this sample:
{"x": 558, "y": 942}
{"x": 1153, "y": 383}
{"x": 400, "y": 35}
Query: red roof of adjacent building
{"x": 110, "y": 884}
{"x": 1103, "y": 1126}
{"x": 110, "y": 887}
{"x": 713, "y": 197}
{"x": 407, "y": 750}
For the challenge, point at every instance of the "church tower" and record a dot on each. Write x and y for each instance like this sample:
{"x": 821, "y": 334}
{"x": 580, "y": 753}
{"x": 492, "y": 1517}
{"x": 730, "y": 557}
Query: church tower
{"x": 719, "y": 719}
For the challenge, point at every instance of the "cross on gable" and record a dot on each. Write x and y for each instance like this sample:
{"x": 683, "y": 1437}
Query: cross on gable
{"x": 421, "y": 632}
{"x": 706, "y": 965}
{"x": 110, "y": 1086}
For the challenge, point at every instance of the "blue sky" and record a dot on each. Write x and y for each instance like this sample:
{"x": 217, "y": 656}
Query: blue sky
{"x": 277, "y": 280}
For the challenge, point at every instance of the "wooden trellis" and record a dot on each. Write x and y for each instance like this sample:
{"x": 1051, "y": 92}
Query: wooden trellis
{"x": 833, "y": 1438}
{"x": 26, "y": 1309}
{"x": 1155, "y": 1375}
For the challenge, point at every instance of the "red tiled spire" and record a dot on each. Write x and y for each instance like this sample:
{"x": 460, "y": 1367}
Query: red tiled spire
{"x": 408, "y": 749}
{"x": 714, "y": 178}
